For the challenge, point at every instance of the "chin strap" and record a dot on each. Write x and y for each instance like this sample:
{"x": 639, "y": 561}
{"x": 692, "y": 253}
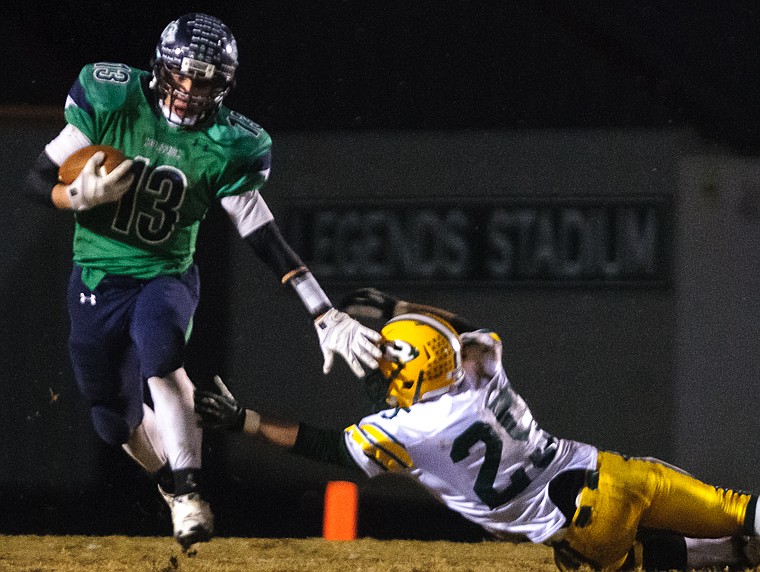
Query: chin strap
{"x": 174, "y": 119}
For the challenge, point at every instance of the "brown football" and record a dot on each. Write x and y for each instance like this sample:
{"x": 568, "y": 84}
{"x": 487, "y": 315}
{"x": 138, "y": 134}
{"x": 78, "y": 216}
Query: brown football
{"x": 73, "y": 164}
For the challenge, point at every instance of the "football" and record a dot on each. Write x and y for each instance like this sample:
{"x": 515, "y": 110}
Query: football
{"x": 74, "y": 163}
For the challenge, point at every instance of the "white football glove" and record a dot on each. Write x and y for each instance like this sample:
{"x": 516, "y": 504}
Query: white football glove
{"x": 340, "y": 333}
{"x": 93, "y": 187}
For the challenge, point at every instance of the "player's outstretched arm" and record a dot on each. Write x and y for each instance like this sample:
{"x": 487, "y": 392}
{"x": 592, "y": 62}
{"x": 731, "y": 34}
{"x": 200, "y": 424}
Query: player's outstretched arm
{"x": 338, "y": 333}
{"x": 370, "y": 303}
{"x": 377, "y": 304}
{"x": 220, "y": 410}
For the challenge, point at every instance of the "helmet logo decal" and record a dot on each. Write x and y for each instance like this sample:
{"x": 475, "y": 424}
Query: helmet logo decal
{"x": 400, "y": 352}
{"x": 170, "y": 33}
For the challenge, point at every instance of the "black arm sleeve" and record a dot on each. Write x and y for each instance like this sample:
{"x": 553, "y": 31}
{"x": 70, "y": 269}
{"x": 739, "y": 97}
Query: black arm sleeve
{"x": 461, "y": 324}
{"x": 457, "y": 322}
{"x": 41, "y": 179}
{"x": 326, "y": 445}
{"x": 270, "y": 246}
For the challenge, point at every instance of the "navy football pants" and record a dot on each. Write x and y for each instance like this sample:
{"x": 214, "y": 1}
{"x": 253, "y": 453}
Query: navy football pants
{"x": 122, "y": 333}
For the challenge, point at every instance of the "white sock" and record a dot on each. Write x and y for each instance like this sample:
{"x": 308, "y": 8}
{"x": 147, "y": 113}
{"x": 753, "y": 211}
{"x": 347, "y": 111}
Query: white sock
{"x": 175, "y": 418}
{"x": 145, "y": 445}
{"x": 711, "y": 552}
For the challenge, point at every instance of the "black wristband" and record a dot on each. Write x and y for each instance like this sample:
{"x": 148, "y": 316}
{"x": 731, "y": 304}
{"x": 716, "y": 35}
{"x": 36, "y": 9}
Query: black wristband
{"x": 325, "y": 445}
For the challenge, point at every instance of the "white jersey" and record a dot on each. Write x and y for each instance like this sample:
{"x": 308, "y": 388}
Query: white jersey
{"x": 477, "y": 448}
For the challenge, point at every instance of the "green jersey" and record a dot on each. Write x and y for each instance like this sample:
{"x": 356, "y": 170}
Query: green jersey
{"x": 152, "y": 229}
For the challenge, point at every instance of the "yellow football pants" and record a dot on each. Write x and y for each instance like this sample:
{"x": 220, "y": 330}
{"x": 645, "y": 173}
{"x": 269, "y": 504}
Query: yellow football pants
{"x": 634, "y": 493}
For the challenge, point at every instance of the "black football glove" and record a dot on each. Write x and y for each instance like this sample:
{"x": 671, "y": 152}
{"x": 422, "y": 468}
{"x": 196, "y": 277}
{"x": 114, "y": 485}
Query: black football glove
{"x": 369, "y": 303}
{"x": 219, "y": 410}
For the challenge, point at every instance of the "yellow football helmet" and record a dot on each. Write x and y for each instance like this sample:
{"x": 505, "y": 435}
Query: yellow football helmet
{"x": 421, "y": 357}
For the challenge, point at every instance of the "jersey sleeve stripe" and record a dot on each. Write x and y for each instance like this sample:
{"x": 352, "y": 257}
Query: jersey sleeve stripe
{"x": 78, "y": 97}
{"x": 263, "y": 163}
{"x": 381, "y": 448}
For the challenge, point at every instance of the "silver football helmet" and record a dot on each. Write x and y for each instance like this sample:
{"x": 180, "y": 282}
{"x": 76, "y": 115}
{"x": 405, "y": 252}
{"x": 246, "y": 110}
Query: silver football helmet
{"x": 200, "y": 48}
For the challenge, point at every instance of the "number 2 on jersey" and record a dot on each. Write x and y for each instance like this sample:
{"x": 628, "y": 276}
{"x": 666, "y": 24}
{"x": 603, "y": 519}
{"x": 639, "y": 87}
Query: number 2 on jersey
{"x": 518, "y": 481}
{"x": 480, "y": 431}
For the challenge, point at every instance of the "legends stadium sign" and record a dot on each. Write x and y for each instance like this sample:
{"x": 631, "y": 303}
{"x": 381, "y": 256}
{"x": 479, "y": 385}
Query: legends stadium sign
{"x": 568, "y": 241}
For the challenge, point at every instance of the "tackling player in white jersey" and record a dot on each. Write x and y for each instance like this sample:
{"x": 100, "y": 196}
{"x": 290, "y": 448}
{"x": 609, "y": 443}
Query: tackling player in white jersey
{"x": 453, "y": 422}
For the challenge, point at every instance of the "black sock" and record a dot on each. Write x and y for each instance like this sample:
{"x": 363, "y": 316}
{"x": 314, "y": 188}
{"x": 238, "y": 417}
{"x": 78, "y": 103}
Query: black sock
{"x": 165, "y": 479}
{"x": 663, "y": 550}
{"x": 187, "y": 481}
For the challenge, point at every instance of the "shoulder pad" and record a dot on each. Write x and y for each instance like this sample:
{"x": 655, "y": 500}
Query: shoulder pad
{"x": 483, "y": 337}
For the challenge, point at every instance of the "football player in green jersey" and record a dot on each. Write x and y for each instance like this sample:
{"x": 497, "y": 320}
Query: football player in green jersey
{"x": 134, "y": 285}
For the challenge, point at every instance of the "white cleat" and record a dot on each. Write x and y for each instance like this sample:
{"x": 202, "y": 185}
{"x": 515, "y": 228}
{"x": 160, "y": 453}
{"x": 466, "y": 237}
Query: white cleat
{"x": 192, "y": 518}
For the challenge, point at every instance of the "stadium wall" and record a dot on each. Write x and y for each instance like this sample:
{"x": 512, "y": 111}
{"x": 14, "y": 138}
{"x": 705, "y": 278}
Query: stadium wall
{"x": 571, "y": 244}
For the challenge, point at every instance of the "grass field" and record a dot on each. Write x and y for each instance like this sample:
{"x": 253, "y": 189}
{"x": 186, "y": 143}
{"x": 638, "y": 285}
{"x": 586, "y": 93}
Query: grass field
{"x": 29, "y": 553}
{"x": 138, "y": 554}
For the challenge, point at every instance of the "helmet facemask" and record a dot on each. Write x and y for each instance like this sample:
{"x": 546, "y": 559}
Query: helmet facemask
{"x": 421, "y": 359}
{"x": 198, "y": 103}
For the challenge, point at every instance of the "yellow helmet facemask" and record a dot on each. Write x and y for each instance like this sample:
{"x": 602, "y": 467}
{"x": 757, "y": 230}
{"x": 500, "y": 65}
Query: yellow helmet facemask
{"x": 421, "y": 355}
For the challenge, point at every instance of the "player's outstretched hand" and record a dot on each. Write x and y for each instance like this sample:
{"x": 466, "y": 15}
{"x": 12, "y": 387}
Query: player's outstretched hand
{"x": 91, "y": 188}
{"x": 340, "y": 333}
{"x": 369, "y": 303}
{"x": 219, "y": 410}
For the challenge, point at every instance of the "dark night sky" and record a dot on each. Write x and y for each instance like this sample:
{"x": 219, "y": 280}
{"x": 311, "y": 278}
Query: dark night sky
{"x": 364, "y": 64}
